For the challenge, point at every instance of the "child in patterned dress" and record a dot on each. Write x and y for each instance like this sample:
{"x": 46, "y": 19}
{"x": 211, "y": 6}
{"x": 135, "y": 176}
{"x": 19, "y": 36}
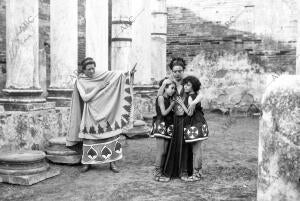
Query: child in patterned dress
{"x": 163, "y": 126}
{"x": 195, "y": 126}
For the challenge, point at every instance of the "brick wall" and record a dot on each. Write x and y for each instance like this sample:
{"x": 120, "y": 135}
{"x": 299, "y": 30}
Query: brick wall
{"x": 234, "y": 66}
{"x": 188, "y": 35}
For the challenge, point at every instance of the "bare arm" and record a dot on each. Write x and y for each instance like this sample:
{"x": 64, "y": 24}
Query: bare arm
{"x": 87, "y": 97}
{"x": 193, "y": 104}
{"x": 161, "y": 104}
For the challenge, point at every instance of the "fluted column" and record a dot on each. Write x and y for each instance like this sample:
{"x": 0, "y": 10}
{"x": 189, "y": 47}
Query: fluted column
{"x": 97, "y": 32}
{"x": 159, "y": 39}
{"x": 22, "y": 54}
{"x": 121, "y": 34}
{"x": 63, "y": 47}
{"x": 141, "y": 41}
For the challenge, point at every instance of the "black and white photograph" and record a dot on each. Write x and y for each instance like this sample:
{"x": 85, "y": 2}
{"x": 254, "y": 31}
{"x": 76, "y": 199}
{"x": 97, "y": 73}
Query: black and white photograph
{"x": 149, "y": 100}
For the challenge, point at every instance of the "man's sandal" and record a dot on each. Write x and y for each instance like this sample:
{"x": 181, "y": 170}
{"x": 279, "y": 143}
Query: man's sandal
{"x": 162, "y": 179}
{"x": 197, "y": 175}
{"x": 158, "y": 176}
{"x": 185, "y": 177}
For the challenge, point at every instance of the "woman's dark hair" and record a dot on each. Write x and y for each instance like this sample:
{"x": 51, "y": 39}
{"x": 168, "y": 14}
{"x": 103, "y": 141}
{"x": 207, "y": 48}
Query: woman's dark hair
{"x": 196, "y": 84}
{"x": 86, "y": 61}
{"x": 177, "y": 62}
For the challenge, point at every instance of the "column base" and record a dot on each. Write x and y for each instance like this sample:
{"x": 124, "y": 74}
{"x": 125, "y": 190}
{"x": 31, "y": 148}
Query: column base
{"x": 61, "y": 97}
{"x": 57, "y": 152}
{"x": 139, "y": 130}
{"x": 25, "y": 168}
{"x": 24, "y": 100}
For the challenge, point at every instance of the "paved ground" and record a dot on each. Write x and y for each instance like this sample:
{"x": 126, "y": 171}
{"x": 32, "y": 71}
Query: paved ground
{"x": 230, "y": 169}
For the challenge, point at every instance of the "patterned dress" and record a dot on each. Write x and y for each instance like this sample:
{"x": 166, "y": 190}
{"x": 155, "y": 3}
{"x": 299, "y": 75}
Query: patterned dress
{"x": 195, "y": 127}
{"x": 163, "y": 125}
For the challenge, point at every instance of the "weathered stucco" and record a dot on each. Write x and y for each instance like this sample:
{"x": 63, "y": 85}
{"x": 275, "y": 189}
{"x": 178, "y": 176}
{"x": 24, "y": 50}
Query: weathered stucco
{"x": 279, "y": 142}
{"x": 229, "y": 80}
{"x": 31, "y": 130}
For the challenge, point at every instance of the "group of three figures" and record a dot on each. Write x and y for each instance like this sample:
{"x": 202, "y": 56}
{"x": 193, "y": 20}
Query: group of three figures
{"x": 179, "y": 126}
{"x": 101, "y": 106}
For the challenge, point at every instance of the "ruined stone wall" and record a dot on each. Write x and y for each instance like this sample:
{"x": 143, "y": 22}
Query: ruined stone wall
{"x": 233, "y": 52}
{"x": 31, "y": 130}
{"x": 233, "y": 62}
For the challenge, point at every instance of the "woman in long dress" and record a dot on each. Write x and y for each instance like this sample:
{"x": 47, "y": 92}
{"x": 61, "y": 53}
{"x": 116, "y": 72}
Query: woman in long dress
{"x": 101, "y": 105}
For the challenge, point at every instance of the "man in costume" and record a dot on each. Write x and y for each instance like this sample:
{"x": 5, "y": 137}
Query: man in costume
{"x": 101, "y": 106}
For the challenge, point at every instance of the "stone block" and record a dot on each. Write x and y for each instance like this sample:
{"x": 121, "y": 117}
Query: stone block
{"x": 29, "y": 179}
{"x": 67, "y": 159}
{"x": 28, "y": 130}
{"x": 279, "y": 142}
{"x": 25, "y": 167}
{"x": 57, "y": 152}
{"x": 137, "y": 132}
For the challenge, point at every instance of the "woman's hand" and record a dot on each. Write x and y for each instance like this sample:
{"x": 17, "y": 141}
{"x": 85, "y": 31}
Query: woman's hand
{"x": 172, "y": 103}
{"x": 166, "y": 81}
{"x": 191, "y": 108}
{"x": 102, "y": 85}
{"x": 133, "y": 70}
{"x": 179, "y": 101}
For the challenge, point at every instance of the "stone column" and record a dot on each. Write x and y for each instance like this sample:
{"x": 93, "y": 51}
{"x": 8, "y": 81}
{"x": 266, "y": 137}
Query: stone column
{"x": 159, "y": 39}
{"x": 64, "y": 45}
{"x": 141, "y": 41}
{"x": 22, "y": 53}
{"x": 279, "y": 141}
{"x": 121, "y": 34}
{"x": 298, "y": 39}
{"x": 97, "y": 32}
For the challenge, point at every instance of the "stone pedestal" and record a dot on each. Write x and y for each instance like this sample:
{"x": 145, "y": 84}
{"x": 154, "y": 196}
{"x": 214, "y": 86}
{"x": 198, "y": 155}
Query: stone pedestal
{"x": 279, "y": 141}
{"x": 64, "y": 45}
{"x": 159, "y": 39}
{"x": 97, "y": 32}
{"x": 25, "y": 168}
{"x": 57, "y": 152}
{"x": 139, "y": 130}
{"x": 22, "y": 55}
{"x": 121, "y": 35}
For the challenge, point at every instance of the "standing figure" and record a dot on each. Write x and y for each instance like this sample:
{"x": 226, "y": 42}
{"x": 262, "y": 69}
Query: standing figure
{"x": 195, "y": 126}
{"x": 177, "y": 155}
{"x": 163, "y": 127}
{"x": 101, "y": 105}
